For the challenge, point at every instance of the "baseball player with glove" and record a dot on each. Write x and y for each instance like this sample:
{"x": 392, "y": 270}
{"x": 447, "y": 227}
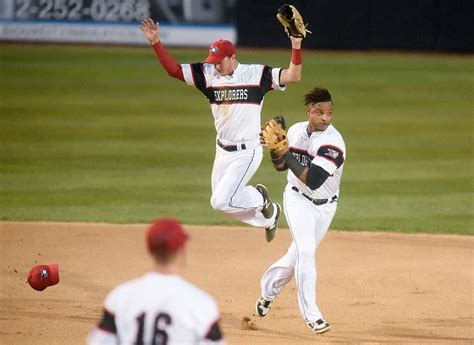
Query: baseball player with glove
{"x": 160, "y": 307}
{"x": 314, "y": 153}
{"x": 236, "y": 92}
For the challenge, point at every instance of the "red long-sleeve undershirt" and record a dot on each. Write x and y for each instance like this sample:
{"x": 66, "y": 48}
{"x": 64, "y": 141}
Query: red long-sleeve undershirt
{"x": 169, "y": 64}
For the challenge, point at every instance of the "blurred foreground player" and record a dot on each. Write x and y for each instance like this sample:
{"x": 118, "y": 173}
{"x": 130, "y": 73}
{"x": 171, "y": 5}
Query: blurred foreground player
{"x": 160, "y": 307}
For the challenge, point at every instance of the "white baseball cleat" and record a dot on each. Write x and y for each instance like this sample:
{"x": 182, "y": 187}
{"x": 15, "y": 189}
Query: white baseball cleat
{"x": 271, "y": 231}
{"x": 268, "y": 205}
{"x": 263, "y": 306}
{"x": 319, "y": 326}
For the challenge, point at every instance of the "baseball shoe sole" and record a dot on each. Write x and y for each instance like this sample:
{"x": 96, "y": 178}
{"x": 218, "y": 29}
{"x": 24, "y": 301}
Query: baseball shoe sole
{"x": 268, "y": 206}
{"x": 319, "y": 326}
{"x": 262, "y": 307}
{"x": 271, "y": 231}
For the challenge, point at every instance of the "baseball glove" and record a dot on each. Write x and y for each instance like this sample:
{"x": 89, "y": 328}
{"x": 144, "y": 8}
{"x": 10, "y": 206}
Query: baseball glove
{"x": 273, "y": 135}
{"x": 292, "y": 21}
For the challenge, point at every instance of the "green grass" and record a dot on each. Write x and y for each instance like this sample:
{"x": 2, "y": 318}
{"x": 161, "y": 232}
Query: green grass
{"x": 102, "y": 134}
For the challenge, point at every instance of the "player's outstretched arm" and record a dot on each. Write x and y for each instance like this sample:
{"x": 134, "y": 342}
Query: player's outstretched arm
{"x": 293, "y": 73}
{"x": 152, "y": 33}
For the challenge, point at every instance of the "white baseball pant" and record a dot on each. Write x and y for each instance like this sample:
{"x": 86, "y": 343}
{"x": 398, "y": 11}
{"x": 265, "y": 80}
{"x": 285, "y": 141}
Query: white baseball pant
{"x": 308, "y": 224}
{"x": 230, "y": 194}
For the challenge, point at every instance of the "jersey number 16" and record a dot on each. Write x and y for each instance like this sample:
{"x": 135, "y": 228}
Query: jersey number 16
{"x": 160, "y": 337}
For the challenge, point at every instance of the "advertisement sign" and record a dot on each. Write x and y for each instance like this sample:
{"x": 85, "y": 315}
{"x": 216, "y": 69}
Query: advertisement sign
{"x": 183, "y": 23}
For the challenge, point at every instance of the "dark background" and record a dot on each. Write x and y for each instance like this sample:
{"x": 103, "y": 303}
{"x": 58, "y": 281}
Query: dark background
{"x": 434, "y": 25}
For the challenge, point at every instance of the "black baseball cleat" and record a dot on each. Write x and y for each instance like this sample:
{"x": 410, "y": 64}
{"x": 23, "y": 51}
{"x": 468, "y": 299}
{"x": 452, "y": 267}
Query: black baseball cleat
{"x": 268, "y": 205}
{"x": 262, "y": 306}
{"x": 271, "y": 231}
{"x": 319, "y": 326}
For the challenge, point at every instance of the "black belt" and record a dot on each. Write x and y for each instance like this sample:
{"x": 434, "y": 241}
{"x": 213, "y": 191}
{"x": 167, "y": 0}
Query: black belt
{"x": 317, "y": 202}
{"x": 230, "y": 148}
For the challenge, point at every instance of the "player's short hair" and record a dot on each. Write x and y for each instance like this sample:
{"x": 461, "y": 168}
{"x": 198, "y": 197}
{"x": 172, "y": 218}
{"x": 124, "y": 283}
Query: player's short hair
{"x": 164, "y": 258}
{"x": 316, "y": 95}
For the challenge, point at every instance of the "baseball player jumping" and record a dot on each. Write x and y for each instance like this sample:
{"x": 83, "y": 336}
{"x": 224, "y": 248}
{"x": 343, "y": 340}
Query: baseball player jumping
{"x": 235, "y": 92}
{"x": 314, "y": 156}
{"x": 160, "y": 307}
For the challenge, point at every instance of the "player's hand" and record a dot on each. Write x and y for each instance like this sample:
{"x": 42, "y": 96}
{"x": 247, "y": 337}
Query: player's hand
{"x": 296, "y": 42}
{"x": 151, "y": 30}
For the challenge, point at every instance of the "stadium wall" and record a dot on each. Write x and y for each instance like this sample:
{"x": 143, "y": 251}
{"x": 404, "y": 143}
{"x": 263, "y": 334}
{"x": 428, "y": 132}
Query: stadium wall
{"x": 426, "y": 25}
{"x": 433, "y": 25}
{"x": 183, "y": 23}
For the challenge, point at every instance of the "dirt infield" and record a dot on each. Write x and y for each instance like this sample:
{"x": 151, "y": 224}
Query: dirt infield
{"x": 372, "y": 287}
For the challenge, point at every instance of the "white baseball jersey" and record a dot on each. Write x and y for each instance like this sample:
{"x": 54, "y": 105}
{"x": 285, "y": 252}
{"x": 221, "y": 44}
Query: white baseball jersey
{"x": 236, "y": 100}
{"x": 158, "y": 309}
{"x": 323, "y": 148}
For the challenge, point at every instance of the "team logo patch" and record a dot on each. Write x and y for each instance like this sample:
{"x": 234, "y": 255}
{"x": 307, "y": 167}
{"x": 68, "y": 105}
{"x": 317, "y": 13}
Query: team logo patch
{"x": 43, "y": 274}
{"x": 332, "y": 153}
{"x": 213, "y": 49}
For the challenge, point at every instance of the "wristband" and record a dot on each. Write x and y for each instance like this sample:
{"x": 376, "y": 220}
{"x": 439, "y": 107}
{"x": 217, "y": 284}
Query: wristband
{"x": 278, "y": 160}
{"x": 296, "y": 56}
{"x": 274, "y": 155}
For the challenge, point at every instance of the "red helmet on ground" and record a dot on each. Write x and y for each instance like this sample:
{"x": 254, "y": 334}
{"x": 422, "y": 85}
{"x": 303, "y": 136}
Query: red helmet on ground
{"x": 42, "y": 276}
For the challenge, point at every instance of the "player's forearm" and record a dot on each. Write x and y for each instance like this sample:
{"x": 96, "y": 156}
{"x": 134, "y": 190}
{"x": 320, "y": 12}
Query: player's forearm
{"x": 280, "y": 167}
{"x": 294, "y": 70}
{"x": 278, "y": 162}
{"x": 290, "y": 162}
{"x": 293, "y": 73}
{"x": 295, "y": 42}
{"x": 304, "y": 176}
{"x": 169, "y": 64}
{"x": 313, "y": 176}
